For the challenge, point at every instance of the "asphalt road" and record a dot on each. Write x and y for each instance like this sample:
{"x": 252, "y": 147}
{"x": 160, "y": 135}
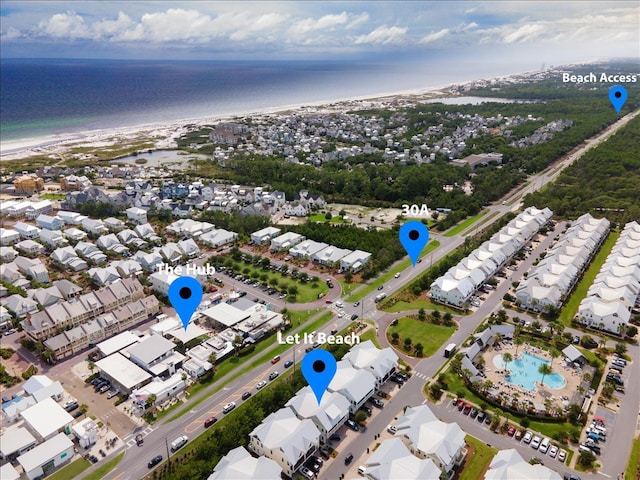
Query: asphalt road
{"x": 133, "y": 466}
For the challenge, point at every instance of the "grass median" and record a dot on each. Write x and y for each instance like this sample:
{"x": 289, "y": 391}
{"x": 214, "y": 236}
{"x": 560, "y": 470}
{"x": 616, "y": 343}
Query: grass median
{"x": 104, "y": 469}
{"x": 402, "y": 265}
{"x": 72, "y": 470}
{"x": 463, "y": 225}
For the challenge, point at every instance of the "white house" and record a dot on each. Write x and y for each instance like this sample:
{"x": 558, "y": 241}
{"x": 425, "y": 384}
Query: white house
{"x": 428, "y": 437}
{"x": 508, "y": 464}
{"x": 265, "y": 235}
{"x": 286, "y": 241}
{"x": 307, "y": 248}
{"x": 95, "y": 227}
{"x": 189, "y": 248}
{"x": 8, "y": 236}
{"x": 218, "y": 237}
{"x": 114, "y": 224}
{"x": 328, "y": 417}
{"x": 162, "y": 389}
{"x": 46, "y": 457}
{"x": 451, "y": 291}
{"x": 29, "y": 247}
{"x": 27, "y": 231}
{"x": 49, "y": 222}
{"x": 355, "y": 260}
{"x": 137, "y": 215}
{"x": 86, "y": 431}
{"x": 52, "y": 238}
{"x": 330, "y": 256}
{"x": 285, "y": 439}
{"x": 20, "y": 306}
{"x": 74, "y": 234}
{"x": 46, "y": 418}
{"x": 392, "y": 460}
{"x": 356, "y": 385}
{"x": 7, "y": 254}
{"x": 37, "y": 208}
{"x": 238, "y": 464}
{"x": 380, "y": 362}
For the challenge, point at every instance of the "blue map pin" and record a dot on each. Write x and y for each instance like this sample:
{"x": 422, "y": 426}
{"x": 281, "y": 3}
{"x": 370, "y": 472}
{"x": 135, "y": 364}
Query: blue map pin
{"x": 617, "y": 96}
{"x": 414, "y": 236}
{"x": 318, "y": 368}
{"x": 185, "y": 294}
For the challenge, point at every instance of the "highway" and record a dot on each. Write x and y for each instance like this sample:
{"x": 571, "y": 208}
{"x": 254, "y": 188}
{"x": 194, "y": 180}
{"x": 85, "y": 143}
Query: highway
{"x": 134, "y": 463}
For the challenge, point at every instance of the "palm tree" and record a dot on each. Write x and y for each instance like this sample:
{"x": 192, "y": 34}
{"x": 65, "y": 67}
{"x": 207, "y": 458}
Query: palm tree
{"x": 91, "y": 366}
{"x": 518, "y": 341}
{"x": 497, "y": 338}
{"x": 545, "y": 369}
{"x": 486, "y": 386}
{"x": 554, "y": 354}
{"x": 506, "y": 358}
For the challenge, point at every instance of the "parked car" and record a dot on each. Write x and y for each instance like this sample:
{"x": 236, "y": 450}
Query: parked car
{"x": 553, "y": 451}
{"x": 366, "y": 409}
{"x": 544, "y": 445}
{"x": 535, "y": 443}
{"x": 487, "y": 419}
{"x": 481, "y": 416}
{"x": 527, "y": 437}
{"x": 519, "y": 434}
{"x": 77, "y": 414}
{"x": 511, "y": 431}
{"x": 335, "y": 437}
{"x": 104, "y": 388}
{"x": 473, "y": 413}
{"x": 460, "y": 405}
{"x": 562, "y": 455}
{"x": 307, "y": 473}
{"x": 154, "y": 461}
{"x": 112, "y": 393}
{"x": 378, "y": 403}
{"x": 352, "y": 425}
{"x": 467, "y": 409}
{"x": 392, "y": 429}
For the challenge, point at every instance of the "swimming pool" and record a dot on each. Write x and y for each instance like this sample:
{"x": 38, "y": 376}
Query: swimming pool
{"x": 524, "y": 372}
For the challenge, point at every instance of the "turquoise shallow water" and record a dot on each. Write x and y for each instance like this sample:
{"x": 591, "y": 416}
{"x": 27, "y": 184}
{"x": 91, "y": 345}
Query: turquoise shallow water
{"x": 524, "y": 372}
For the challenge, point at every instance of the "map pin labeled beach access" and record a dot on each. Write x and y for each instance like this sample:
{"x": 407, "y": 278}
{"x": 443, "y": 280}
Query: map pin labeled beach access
{"x": 185, "y": 294}
{"x": 617, "y": 96}
{"x": 318, "y": 368}
{"x": 414, "y": 236}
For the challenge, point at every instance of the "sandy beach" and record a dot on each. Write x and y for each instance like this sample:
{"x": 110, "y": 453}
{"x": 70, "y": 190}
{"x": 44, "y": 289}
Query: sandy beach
{"x": 164, "y": 134}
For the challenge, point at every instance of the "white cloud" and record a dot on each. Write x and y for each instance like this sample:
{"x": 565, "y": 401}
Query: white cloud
{"x": 525, "y": 33}
{"x": 383, "y": 35}
{"x": 359, "y": 20}
{"x": 326, "y": 22}
{"x": 65, "y": 25}
{"x": 435, "y": 36}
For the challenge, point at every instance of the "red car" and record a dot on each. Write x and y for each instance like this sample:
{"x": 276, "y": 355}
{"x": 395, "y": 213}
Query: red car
{"x": 460, "y": 405}
{"x": 511, "y": 430}
{"x": 467, "y": 409}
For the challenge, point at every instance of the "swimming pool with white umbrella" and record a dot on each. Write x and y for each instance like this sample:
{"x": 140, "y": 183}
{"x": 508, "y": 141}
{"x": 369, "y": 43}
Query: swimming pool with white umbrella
{"x": 524, "y": 372}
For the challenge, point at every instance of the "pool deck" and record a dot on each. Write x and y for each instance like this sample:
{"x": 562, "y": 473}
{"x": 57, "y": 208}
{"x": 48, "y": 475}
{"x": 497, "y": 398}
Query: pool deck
{"x": 559, "y": 397}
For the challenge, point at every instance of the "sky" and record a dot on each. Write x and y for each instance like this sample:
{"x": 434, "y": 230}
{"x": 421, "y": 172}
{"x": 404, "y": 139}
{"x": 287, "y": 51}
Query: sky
{"x": 540, "y": 31}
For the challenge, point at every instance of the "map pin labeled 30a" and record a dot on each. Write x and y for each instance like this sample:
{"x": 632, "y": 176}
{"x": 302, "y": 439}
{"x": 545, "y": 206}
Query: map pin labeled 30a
{"x": 414, "y": 236}
{"x": 185, "y": 294}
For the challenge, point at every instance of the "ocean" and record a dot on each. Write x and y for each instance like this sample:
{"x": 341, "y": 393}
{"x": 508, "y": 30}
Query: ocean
{"x": 39, "y": 98}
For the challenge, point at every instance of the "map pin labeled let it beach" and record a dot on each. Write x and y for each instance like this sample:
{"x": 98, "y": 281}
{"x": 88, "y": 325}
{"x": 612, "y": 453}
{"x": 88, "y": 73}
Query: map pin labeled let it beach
{"x": 414, "y": 236}
{"x": 318, "y": 368}
{"x": 185, "y": 294}
{"x": 617, "y": 96}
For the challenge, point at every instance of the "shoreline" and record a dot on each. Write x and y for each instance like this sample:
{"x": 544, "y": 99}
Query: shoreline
{"x": 164, "y": 133}
{"x": 25, "y": 147}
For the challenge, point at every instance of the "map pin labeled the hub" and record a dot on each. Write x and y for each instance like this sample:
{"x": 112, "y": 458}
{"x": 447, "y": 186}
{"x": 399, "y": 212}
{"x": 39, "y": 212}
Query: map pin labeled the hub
{"x": 318, "y": 368}
{"x": 617, "y": 96}
{"x": 414, "y": 236}
{"x": 185, "y": 294}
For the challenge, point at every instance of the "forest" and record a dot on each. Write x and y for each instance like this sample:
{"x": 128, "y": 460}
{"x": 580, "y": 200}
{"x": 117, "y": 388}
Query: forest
{"x": 604, "y": 182}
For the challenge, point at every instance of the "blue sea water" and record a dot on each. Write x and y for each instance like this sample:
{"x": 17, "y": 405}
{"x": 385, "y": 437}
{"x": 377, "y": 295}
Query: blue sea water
{"x": 44, "y": 97}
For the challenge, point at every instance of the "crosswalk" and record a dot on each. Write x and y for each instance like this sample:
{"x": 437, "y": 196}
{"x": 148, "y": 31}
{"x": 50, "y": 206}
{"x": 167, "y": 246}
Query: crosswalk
{"x": 420, "y": 375}
{"x": 130, "y": 439}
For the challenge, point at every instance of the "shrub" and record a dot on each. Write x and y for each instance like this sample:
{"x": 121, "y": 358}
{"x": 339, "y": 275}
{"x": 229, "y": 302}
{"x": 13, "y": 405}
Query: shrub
{"x": 435, "y": 391}
{"x": 29, "y": 372}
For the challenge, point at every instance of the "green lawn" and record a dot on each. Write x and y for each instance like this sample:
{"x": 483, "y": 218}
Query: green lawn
{"x": 399, "y": 267}
{"x": 370, "y": 335}
{"x": 633, "y": 466}
{"x": 229, "y": 364}
{"x": 307, "y": 292}
{"x": 482, "y": 456}
{"x": 319, "y": 217}
{"x": 571, "y": 307}
{"x": 72, "y": 470}
{"x": 347, "y": 288}
{"x": 429, "y": 335}
{"x": 462, "y": 225}
{"x": 417, "y": 304}
{"x": 104, "y": 469}
{"x": 53, "y": 196}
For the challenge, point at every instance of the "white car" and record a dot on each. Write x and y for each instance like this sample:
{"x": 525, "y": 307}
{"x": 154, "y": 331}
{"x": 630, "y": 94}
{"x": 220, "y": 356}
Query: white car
{"x": 392, "y": 429}
{"x": 397, "y": 275}
{"x": 340, "y": 314}
{"x": 228, "y": 407}
{"x": 527, "y": 437}
{"x": 261, "y": 384}
{"x": 553, "y": 451}
{"x": 562, "y": 455}
{"x": 535, "y": 443}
